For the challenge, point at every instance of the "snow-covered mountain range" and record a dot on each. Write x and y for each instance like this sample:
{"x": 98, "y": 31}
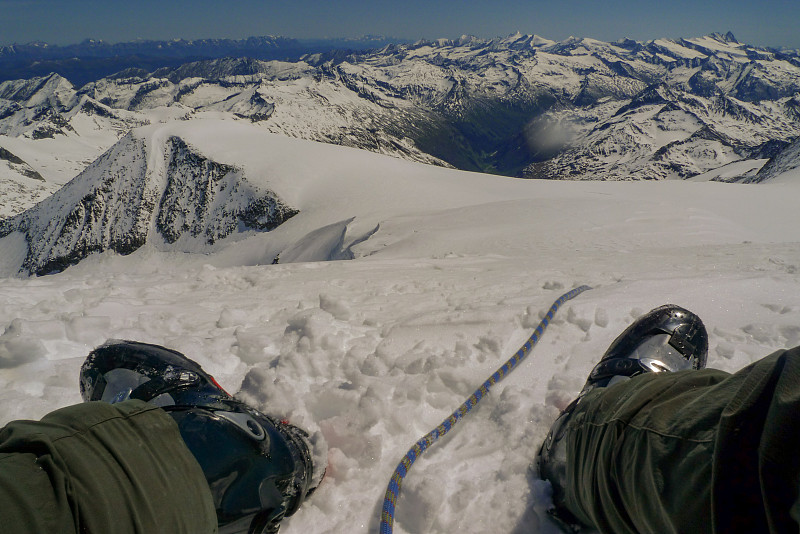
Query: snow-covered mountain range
{"x": 521, "y": 106}
{"x": 705, "y": 108}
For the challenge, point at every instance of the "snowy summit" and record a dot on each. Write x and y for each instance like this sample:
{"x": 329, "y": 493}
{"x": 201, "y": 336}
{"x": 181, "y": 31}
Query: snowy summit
{"x": 364, "y": 296}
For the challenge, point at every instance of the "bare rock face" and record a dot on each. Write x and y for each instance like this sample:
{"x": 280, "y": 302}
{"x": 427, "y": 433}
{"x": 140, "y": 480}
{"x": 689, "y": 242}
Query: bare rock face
{"x": 785, "y": 161}
{"x": 122, "y": 200}
{"x": 210, "y": 200}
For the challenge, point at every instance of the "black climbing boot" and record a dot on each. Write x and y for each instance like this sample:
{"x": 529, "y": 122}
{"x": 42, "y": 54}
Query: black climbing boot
{"x": 667, "y": 339}
{"x": 259, "y": 469}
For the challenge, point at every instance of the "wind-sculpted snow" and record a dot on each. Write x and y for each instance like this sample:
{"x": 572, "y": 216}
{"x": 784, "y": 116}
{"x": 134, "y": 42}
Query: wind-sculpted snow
{"x": 202, "y": 185}
{"x": 126, "y": 199}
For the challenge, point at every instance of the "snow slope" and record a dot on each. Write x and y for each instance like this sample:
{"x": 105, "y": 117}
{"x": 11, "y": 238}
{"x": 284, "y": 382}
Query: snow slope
{"x": 451, "y": 272}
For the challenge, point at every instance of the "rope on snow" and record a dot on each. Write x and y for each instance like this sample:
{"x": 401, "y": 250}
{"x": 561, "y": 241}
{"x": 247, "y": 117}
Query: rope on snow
{"x": 393, "y": 491}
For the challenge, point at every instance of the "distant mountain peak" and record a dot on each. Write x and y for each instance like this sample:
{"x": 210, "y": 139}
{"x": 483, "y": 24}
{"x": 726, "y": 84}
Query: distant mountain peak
{"x": 728, "y": 37}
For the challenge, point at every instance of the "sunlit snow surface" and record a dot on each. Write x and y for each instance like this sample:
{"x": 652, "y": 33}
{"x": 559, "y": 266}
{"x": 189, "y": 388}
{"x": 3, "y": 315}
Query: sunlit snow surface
{"x": 452, "y": 271}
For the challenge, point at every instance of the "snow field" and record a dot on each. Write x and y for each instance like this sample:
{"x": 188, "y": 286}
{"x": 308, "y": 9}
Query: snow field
{"x": 372, "y": 354}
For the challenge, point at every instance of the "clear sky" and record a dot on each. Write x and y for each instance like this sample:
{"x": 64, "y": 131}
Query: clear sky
{"x": 764, "y": 22}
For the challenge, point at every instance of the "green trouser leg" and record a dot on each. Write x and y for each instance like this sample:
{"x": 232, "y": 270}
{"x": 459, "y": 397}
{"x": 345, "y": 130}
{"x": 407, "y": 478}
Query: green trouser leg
{"x": 689, "y": 452}
{"x": 99, "y": 468}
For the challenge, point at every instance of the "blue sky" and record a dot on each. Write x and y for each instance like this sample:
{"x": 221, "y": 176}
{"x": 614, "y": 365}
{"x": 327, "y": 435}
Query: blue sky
{"x": 767, "y": 23}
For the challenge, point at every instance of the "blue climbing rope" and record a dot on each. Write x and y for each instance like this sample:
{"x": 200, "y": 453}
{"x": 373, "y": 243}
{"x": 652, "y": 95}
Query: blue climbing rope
{"x": 393, "y": 491}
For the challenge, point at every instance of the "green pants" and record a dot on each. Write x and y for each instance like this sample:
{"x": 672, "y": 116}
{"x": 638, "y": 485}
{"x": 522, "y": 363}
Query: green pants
{"x": 99, "y": 468}
{"x": 690, "y": 452}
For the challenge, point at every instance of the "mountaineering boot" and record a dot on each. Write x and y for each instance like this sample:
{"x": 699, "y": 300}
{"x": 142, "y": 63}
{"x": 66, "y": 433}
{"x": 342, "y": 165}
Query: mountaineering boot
{"x": 667, "y": 339}
{"x": 259, "y": 469}
{"x": 122, "y": 370}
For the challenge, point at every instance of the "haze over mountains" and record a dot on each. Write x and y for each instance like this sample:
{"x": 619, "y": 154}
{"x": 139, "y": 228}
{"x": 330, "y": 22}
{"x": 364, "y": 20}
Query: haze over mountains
{"x": 93, "y": 59}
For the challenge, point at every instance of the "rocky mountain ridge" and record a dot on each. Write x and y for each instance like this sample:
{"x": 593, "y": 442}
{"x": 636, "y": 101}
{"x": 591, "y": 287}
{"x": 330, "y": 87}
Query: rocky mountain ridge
{"x": 786, "y": 162}
{"x": 135, "y": 193}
